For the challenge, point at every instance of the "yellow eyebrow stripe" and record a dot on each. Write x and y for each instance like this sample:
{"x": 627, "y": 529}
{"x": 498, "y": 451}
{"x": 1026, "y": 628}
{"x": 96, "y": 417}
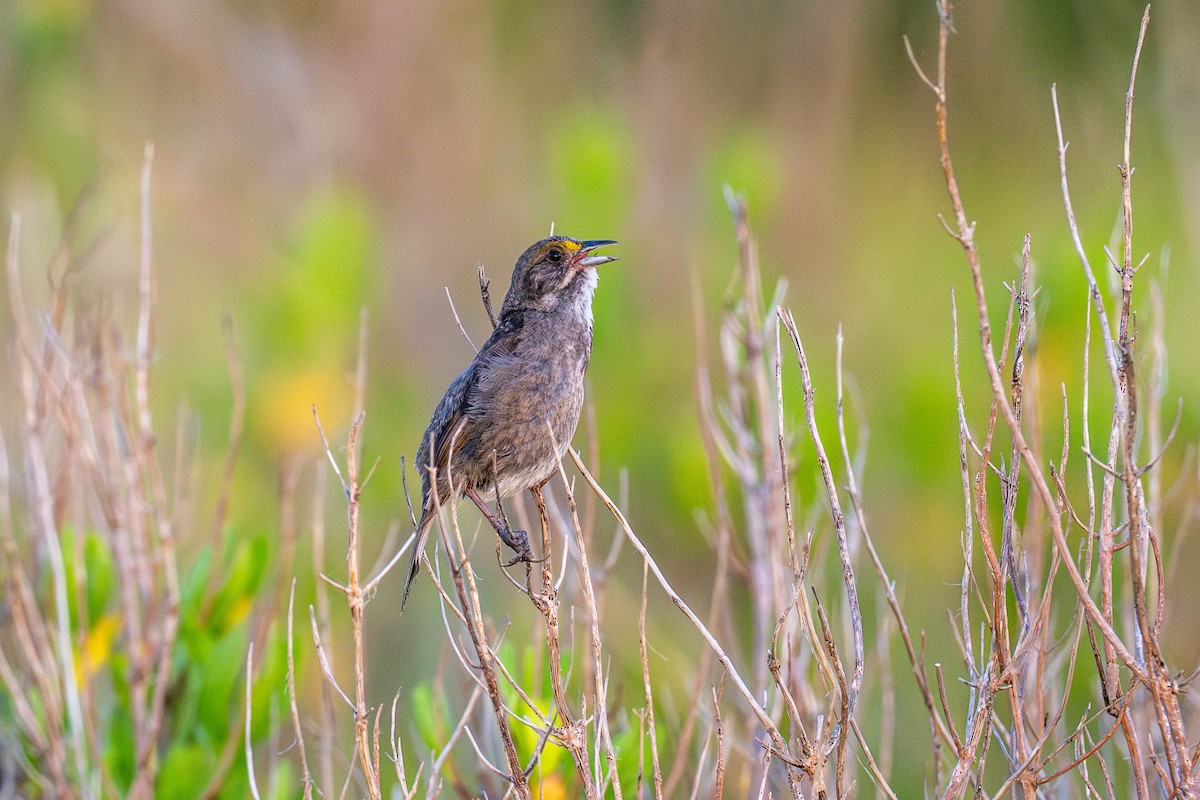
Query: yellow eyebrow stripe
{"x": 572, "y": 246}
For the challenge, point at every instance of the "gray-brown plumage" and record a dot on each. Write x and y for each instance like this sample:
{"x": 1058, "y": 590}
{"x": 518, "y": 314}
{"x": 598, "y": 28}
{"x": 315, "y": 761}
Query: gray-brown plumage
{"x": 490, "y": 427}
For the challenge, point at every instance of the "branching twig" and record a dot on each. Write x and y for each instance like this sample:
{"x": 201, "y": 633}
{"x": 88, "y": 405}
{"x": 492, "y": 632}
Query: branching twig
{"x": 777, "y": 740}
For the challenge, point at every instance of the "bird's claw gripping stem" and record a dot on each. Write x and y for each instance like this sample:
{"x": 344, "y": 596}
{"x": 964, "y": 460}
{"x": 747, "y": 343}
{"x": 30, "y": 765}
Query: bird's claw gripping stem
{"x": 518, "y": 542}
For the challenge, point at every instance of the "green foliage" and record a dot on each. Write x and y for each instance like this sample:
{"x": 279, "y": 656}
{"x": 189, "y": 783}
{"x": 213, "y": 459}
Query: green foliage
{"x": 243, "y": 573}
{"x": 215, "y": 635}
{"x": 555, "y": 767}
{"x": 426, "y": 717}
{"x": 590, "y": 160}
{"x": 749, "y": 161}
{"x": 306, "y": 318}
{"x": 185, "y": 767}
{"x": 328, "y": 275}
{"x": 206, "y": 682}
{"x": 93, "y": 570}
{"x": 120, "y": 756}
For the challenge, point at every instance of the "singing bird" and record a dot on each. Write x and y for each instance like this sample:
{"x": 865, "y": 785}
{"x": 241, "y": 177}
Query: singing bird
{"x": 490, "y": 433}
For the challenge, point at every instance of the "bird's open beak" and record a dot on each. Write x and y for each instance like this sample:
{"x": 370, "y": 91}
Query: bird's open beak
{"x": 584, "y": 260}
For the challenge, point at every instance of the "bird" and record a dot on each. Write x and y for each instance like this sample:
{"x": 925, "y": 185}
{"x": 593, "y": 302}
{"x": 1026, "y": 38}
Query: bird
{"x": 490, "y": 433}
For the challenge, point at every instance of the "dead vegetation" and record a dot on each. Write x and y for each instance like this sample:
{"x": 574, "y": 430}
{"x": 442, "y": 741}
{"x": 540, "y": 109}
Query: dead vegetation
{"x": 1059, "y": 625}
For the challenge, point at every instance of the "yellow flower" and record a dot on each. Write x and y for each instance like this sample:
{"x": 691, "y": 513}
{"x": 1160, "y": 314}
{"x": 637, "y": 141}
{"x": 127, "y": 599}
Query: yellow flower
{"x": 97, "y": 647}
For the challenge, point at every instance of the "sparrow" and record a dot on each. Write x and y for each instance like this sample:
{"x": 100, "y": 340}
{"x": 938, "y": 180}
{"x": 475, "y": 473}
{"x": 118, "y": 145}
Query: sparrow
{"x": 490, "y": 433}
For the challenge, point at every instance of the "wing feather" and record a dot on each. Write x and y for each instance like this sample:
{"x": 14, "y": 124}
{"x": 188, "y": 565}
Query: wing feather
{"x": 454, "y": 412}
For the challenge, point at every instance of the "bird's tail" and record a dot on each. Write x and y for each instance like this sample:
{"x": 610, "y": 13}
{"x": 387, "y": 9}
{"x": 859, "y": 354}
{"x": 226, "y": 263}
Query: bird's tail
{"x": 414, "y": 563}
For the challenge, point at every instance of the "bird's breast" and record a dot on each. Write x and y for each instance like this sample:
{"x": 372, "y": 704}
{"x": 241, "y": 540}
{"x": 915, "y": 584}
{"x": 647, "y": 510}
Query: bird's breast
{"x": 527, "y": 404}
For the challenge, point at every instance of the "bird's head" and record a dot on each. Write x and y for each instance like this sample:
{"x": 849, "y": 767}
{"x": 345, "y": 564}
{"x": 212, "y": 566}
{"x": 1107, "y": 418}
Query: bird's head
{"x": 556, "y": 273}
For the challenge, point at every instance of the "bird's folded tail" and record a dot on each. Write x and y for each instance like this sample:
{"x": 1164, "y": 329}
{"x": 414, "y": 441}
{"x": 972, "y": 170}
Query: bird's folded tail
{"x": 413, "y": 568}
{"x": 414, "y": 562}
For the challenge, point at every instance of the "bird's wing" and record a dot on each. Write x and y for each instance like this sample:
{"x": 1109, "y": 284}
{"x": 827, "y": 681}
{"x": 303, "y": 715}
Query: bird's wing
{"x": 465, "y": 398}
{"x": 496, "y": 366}
{"x": 452, "y": 419}
{"x": 446, "y": 419}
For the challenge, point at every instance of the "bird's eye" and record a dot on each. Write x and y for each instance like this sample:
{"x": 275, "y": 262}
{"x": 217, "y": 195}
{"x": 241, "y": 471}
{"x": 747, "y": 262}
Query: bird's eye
{"x": 555, "y": 255}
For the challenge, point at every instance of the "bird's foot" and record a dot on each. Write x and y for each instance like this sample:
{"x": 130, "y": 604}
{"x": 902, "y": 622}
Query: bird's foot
{"x": 518, "y": 542}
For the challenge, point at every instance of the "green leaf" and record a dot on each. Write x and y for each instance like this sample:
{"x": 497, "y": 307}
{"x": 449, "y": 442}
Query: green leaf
{"x": 186, "y": 770}
{"x": 187, "y": 704}
{"x": 98, "y": 563}
{"x": 235, "y": 598}
{"x": 66, "y": 542}
{"x": 191, "y": 597}
{"x": 424, "y": 715}
{"x": 119, "y": 670}
{"x": 220, "y": 676}
{"x": 119, "y": 756}
{"x": 270, "y": 685}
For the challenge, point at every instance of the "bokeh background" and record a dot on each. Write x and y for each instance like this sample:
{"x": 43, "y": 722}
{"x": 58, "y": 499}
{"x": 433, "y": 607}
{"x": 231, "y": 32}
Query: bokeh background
{"x": 312, "y": 159}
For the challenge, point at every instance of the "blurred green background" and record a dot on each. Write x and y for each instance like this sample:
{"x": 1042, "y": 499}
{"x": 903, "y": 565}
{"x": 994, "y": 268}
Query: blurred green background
{"x": 315, "y": 158}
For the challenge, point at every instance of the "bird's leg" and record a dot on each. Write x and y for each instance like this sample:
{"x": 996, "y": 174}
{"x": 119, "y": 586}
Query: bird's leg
{"x": 496, "y": 496}
{"x": 517, "y": 541}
